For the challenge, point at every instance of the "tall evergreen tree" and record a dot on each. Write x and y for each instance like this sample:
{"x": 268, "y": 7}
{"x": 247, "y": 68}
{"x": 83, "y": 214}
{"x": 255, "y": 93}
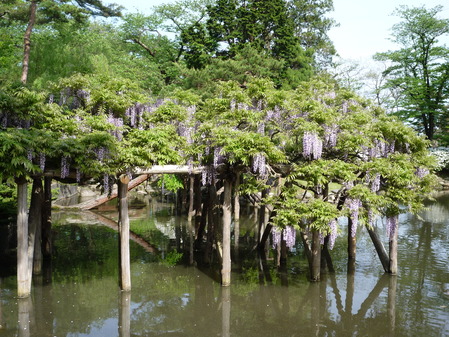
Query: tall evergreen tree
{"x": 420, "y": 68}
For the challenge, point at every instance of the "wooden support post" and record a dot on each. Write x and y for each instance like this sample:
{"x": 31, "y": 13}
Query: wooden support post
{"x": 46, "y": 219}
{"x": 262, "y": 216}
{"x": 226, "y": 269}
{"x": 393, "y": 250}
{"x": 237, "y": 197}
{"x": 125, "y": 268}
{"x": 191, "y": 212}
{"x": 391, "y": 304}
{"x": 212, "y": 216}
{"x": 23, "y": 289}
{"x": 197, "y": 201}
{"x": 35, "y": 224}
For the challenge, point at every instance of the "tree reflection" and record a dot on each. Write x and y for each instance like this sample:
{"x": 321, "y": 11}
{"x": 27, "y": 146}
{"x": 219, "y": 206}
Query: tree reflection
{"x": 124, "y": 322}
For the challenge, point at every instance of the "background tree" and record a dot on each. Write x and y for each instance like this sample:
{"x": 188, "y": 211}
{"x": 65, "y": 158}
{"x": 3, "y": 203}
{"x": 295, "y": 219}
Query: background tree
{"x": 265, "y": 26}
{"x": 312, "y": 26}
{"x": 420, "y": 69}
{"x": 41, "y": 12}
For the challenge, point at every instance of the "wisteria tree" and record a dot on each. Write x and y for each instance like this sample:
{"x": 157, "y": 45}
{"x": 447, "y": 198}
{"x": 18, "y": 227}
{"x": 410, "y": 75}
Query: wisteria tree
{"x": 91, "y": 128}
{"x": 231, "y": 140}
{"x": 348, "y": 159}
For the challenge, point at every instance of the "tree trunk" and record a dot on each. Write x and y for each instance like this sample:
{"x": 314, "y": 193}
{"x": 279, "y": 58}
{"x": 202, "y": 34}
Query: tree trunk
{"x": 283, "y": 251}
{"x": 203, "y": 222}
{"x": 125, "y": 268}
{"x": 191, "y": 212}
{"x": 326, "y": 256}
{"x": 23, "y": 289}
{"x": 267, "y": 231}
{"x": 35, "y": 219}
{"x": 380, "y": 249}
{"x": 307, "y": 248}
{"x": 352, "y": 247}
{"x": 393, "y": 245}
{"x": 391, "y": 304}
{"x": 237, "y": 198}
{"x": 212, "y": 220}
{"x": 263, "y": 219}
{"x": 226, "y": 270}
{"x": 198, "y": 199}
{"x": 27, "y": 42}
{"x": 315, "y": 266}
{"x": 46, "y": 219}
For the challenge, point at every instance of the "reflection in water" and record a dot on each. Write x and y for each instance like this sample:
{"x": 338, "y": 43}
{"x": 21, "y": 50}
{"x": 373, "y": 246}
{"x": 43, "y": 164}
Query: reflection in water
{"x": 124, "y": 327}
{"x": 24, "y": 316}
{"x": 83, "y": 297}
{"x": 226, "y": 311}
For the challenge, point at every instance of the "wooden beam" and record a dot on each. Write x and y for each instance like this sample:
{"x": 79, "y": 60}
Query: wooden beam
{"x": 105, "y": 197}
{"x": 170, "y": 169}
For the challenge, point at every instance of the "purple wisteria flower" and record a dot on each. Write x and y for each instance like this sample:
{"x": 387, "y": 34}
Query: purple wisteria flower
{"x": 30, "y": 155}
{"x": 421, "y": 172}
{"x": 375, "y": 184}
{"x": 330, "y": 135}
{"x": 65, "y": 167}
{"x": 392, "y": 224}
{"x": 354, "y": 205}
{"x": 333, "y": 233}
{"x": 290, "y": 236}
{"x": 42, "y": 161}
{"x": 259, "y": 164}
{"x": 276, "y": 235}
{"x": 312, "y": 146}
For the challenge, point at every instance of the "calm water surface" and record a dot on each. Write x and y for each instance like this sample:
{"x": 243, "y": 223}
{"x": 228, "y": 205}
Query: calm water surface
{"x": 171, "y": 296}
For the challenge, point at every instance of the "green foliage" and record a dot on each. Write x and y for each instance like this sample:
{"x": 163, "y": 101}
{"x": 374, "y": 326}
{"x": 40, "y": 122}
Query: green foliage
{"x": 419, "y": 70}
{"x": 312, "y": 25}
{"x": 144, "y": 148}
{"x": 170, "y": 182}
{"x": 172, "y": 258}
{"x": 91, "y": 49}
{"x": 266, "y": 26}
{"x": 367, "y": 144}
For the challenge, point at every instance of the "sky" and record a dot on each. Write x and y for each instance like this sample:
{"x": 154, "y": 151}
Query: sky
{"x": 365, "y": 25}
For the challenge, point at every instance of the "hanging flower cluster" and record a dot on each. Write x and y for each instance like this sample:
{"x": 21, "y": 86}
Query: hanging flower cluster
{"x": 259, "y": 164}
{"x": 375, "y": 183}
{"x": 288, "y": 234}
{"x": 312, "y": 146}
{"x": 333, "y": 233}
{"x": 392, "y": 223}
{"x": 65, "y": 167}
{"x": 330, "y": 135}
{"x": 354, "y": 205}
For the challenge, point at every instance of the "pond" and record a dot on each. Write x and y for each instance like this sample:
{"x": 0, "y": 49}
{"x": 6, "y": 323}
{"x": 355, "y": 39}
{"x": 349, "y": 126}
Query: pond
{"x": 175, "y": 295}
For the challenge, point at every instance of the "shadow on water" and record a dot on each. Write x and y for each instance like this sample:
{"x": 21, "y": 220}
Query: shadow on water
{"x": 173, "y": 294}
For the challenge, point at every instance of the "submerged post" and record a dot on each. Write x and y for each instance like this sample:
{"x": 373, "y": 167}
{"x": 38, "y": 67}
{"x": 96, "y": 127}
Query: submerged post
{"x": 123, "y": 222}
{"x": 393, "y": 250}
{"x": 315, "y": 265}
{"x": 226, "y": 268}
{"x": 23, "y": 286}
{"x": 352, "y": 246}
